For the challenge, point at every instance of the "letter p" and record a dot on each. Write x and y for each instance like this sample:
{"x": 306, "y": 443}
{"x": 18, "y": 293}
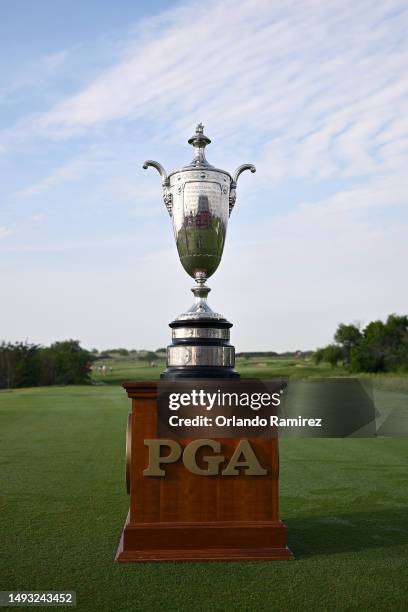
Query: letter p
{"x": 155, "y": 458}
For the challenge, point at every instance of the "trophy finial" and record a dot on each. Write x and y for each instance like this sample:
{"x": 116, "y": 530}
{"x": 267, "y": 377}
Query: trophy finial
{"x": 199, "y": 142}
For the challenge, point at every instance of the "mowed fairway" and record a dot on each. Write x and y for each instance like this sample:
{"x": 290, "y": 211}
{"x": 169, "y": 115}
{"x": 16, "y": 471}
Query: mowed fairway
{"x": 126, "y": 368}
{"x": 63, "y": 505}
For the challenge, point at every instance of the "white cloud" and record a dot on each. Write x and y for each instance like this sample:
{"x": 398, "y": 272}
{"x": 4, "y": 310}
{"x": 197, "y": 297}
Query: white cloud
{"x": 37, "y": 217}
{"x": 72, "y": 170}
{"x": 314, "y": 94}
{"x": 35, "y": 73}
{"x": 318, "y": 85}
{"x": 5, "y": 231}
{"x": 386, "y": 191}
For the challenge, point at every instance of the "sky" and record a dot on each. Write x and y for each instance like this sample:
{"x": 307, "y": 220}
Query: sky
{"x": 313, "y": 93}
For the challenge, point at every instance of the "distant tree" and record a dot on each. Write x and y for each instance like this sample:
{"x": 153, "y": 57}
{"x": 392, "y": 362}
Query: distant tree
{"x": 248, "y": 355}
{"x": 348, "y": 336}
{"x": 150, "y": 356}
{"x": 333, "y": 354}
{"x": 20, "y": 365}
{"x": 123, "y": 352}
{"x": 30, "y": 365}
{"x": 107, "y": 353}
{"x": 318, "y": 356}
{"x": 383, "y": 346}
{"x": 67, "y": 363}
{"x": 397, "y": 342}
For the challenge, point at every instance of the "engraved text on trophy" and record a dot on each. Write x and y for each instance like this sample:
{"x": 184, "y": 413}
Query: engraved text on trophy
{"x": 200, "y": 216}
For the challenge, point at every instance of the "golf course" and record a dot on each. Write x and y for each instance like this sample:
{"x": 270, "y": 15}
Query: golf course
{"x": 63, "y": 504}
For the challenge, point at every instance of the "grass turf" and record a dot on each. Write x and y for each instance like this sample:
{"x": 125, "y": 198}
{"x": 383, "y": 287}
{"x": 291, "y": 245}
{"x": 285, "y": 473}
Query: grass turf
{"x": 128, "y": 368}
{"x": 63, "y": 505}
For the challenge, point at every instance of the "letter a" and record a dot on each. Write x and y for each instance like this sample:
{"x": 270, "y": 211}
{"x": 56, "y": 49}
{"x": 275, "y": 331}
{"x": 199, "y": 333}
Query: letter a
{"x": 251, "y": 462}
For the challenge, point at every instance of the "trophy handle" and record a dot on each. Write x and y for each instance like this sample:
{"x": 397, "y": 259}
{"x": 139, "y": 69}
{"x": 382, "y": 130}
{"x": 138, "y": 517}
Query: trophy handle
{"x": 233, "y": 189}
{"x": 240, "y": 170}
{"x": 167, "y": 196}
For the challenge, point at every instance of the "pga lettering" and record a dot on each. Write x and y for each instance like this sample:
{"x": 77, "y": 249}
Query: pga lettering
{"x": 242, "y": 457}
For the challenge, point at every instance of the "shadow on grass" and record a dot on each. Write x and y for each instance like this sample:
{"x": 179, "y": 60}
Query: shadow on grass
{"x": 344, "y": 533}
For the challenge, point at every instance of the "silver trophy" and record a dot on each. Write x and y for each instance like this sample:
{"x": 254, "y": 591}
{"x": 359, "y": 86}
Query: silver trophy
{"x": 199, "y": 199}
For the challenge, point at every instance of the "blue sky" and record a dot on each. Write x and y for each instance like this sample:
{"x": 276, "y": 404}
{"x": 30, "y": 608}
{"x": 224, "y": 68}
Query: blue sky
{"x": 313, "y": 93}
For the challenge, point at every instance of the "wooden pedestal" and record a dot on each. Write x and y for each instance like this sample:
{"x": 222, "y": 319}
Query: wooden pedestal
{"x": 184, "y": 516}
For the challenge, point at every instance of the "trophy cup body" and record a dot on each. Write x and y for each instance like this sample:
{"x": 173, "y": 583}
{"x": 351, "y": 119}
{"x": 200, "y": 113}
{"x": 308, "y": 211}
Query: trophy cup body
{"x": 200, "y": 210}
{"x": 199, "y": 199}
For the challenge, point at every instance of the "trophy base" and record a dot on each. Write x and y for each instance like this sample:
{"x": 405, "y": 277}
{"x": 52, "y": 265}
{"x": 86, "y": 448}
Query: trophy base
{"x": 200, "y": 348}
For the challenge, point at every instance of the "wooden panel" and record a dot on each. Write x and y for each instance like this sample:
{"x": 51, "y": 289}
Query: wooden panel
{"x": 145, "y": 492}
{"x": 188, "y": 516}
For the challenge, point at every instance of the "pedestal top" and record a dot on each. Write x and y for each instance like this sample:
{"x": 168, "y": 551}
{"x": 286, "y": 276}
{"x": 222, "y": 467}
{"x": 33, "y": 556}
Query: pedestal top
{"x": 141, "y": 388}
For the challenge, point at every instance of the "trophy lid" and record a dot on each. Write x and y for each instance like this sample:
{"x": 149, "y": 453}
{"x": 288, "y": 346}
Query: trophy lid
{"x": 199, "y": 141}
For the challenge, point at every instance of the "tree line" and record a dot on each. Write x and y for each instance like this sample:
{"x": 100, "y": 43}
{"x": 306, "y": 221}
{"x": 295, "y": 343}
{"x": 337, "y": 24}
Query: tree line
{"x": 32, "y": 365}
{"x": 379, "y": 347}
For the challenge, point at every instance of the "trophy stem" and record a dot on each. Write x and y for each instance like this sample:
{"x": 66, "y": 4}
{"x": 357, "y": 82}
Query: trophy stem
{"x": 200, "y": 308}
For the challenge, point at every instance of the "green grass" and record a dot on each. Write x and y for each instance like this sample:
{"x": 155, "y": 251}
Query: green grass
{"x": 126, "y": 368}
{"x": 63, "y": 505}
